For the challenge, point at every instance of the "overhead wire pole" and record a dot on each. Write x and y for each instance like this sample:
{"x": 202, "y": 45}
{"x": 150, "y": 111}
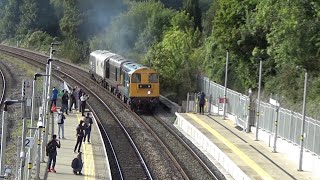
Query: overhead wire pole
{"x": 225, "y": 86}
{"x": 304, "y": 107}
{"x": 44, "y": 117}
{"x": 47, "y": 109}
{"x": 3, "y": 138}
{"x": 49, "y": 86}
{"x": 24, "y": 126}
{"x": 46, "y": 101}
{"x": 4, "y": 132}
{"x": 258, "y": 108}
{"x": 31, "y": 124}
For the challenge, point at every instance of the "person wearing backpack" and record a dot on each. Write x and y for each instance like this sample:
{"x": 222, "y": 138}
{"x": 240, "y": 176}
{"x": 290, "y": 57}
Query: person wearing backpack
{"x": 51, "y": 151}
{"x": 77, "y": 164}
{"x": 60, "y": 120}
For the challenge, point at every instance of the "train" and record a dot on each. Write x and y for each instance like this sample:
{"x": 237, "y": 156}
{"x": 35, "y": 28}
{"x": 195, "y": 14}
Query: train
{"x": 137, "y": 85}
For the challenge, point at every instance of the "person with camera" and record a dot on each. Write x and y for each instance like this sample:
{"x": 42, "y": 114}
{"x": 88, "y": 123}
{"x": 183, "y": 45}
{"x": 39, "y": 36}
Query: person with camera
{"x": 51, "y": 150}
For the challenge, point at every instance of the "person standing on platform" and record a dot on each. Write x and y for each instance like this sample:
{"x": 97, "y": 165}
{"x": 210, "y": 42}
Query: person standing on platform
{"x": 73, "y": 100}
{"x": 87, "y": 124}
{"x": 60, "y": 121}
{"x": 54, "y": 97}
{"x": 83, "y": 102}
{"x": 77, "y": 164}
{"x": 202, "y": 101}
{"x": 80, "y": 92}
{"x": 79, "y": 135}
{"x": 51, "y": 151}
{"x": 64, "y": 101}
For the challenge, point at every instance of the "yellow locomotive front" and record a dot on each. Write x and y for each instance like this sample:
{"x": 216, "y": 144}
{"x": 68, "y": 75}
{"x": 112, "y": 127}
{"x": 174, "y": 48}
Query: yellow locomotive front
{"x": 144, "y": 89}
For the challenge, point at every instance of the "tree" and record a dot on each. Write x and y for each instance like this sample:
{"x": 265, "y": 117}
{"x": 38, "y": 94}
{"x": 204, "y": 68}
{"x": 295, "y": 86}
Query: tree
{"x": 37, "y": 15}
{"x": 173, "y": 58}
{"x": 193, "y": 9}
{"x": 72, "y": 20}
{"x": 10, "y": 18}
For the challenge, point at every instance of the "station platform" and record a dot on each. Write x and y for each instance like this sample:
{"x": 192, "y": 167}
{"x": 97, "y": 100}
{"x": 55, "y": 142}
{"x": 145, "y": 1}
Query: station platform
{"x": 236, "y": 153}
{"x": 94, "y": 156}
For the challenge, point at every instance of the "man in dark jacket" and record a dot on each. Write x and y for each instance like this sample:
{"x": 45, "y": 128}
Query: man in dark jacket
{"x": 51, "y": 150}
{"x": 80, "y": 134}
{"x": 64, "y": 101}
{"x": 77, "y": 164}
{"x": 73, "y": 100}
{"x": 202, "y": 101}
{"x": 87, "y": 124}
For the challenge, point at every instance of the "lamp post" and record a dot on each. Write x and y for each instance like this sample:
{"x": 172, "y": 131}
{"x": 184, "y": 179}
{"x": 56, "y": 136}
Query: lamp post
{"x": 304, "y": 107}
{"x": 258, "y": 108}
{"x": 44, "y": 107}
{"x": 32, "y": 117}
{"x": 24, "y": 123}
{"x": 4, "y": 132}
{"x": 225, "y": 86}
{"x": 40, "y": 126}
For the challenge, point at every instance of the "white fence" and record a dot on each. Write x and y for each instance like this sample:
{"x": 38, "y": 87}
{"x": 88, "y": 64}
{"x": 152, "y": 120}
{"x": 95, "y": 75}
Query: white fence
{"x": 289, "y": 123}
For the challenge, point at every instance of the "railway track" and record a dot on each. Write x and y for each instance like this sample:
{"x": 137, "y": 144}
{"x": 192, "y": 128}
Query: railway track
{"x": 5, "y": 82}
{"x": 158, "y": 160}
{"x": 195, "y": 167}
{"x": 2, "y": 84}
{"x": 166, "y": 146}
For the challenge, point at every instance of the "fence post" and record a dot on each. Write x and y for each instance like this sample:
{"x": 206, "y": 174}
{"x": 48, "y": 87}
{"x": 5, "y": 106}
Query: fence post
{"x": 248, "y": 127}
{"x": 209, "y": 106}
{"x": 188, "y": 101}
{"x": 276, "y": 130}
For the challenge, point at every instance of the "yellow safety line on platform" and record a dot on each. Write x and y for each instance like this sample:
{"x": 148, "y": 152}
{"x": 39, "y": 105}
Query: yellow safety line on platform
{"x": 88, "y": 161}
{"x": 236, "y": 150}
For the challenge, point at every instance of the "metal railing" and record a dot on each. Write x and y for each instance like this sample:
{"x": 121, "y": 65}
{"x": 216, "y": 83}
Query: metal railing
{"x": 289, "y": 124}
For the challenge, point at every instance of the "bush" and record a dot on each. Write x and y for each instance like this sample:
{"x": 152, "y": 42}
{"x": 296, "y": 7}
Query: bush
{"x": 75, "y": 50}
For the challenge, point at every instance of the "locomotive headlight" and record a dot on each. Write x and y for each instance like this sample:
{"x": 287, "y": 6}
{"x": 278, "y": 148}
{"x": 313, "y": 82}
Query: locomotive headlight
{"x": 149, "y": 92}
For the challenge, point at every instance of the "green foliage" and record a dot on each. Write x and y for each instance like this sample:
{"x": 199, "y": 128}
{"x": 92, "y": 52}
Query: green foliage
{"x": 138, "y": 28}
{"x": 75, "y": 50}
{"x": 72, "y": 20}
{"x": 175, "y": 58}
{"x": 193, "y": 9}
{"x": 10, "y": 19}
{"x": 36, "y": 15}
{"x": 38, "y": 40}
{"x": 181, "y": 37}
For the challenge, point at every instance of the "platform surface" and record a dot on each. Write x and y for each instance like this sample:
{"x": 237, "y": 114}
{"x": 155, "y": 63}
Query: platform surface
{"x": 96, "y": 165}
{"x": 254, "y": 158}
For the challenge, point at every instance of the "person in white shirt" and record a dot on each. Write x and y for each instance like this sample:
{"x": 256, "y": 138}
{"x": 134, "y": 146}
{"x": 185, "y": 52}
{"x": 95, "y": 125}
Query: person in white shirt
{"x": 83, "y": 101}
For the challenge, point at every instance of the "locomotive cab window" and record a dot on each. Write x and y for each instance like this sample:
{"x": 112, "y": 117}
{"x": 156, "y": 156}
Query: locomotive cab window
{"x": 136, "y": 78}
{"x": 153, "y": 78}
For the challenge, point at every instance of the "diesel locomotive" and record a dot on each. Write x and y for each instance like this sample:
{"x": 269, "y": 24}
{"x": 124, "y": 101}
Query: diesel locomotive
{"x": 135, "y": 84}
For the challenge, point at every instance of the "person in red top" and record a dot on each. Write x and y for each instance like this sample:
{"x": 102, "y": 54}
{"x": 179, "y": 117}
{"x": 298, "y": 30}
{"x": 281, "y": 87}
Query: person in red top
{"x": 51, "y": 150}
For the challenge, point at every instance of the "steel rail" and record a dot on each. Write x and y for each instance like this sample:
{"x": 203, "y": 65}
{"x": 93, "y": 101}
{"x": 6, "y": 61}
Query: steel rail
{"x": 194, "y": 154}
{"x": 119, "y": 122}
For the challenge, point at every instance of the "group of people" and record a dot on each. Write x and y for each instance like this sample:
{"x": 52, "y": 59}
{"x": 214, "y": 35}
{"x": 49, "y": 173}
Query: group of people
{"x": 83, "y": 130}
{"x": 77, "y": 98}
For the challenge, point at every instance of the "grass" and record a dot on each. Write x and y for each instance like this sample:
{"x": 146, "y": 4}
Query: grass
{"x": 14, "y": 116}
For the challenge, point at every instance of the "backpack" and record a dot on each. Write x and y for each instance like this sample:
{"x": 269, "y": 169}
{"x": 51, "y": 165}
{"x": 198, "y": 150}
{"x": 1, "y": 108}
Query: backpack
{"x": 74, "y": 163}
{"x": 60, "y": 119}
{"x": 50, "y": 148}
